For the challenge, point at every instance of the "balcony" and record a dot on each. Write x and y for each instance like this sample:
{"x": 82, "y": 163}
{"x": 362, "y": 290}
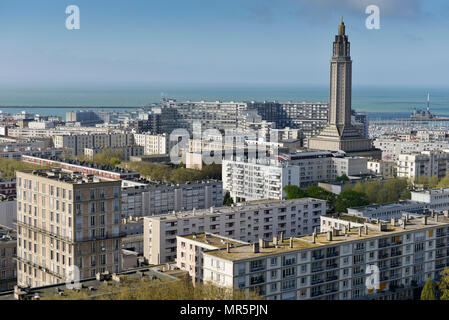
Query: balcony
{"x": 440, "y": 265}
{"x": 331, "y": 266}
{"x": 441, "y": 244}
{"x": 384, "y": 245}
{"x": 257, "y": 268}
{"x": 317, "y": 257}
{"x": 332, "y": 278}
{"x": 317, "y": 269}
{"x": 316, "y": 281}
{"x": 257, "y": 280}
{"x": 316, "y": 293}
{"x": 396, "y": 253}
{"x": 332, "y": 254}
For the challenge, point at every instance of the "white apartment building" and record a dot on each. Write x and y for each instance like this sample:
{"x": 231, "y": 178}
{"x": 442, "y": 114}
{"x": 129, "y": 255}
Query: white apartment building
{"x": 386, "y": 169}
{"x": 425, "y": 164}
{"x": 389, "y": 210}
{"x": 243, "y": 222}
{"x": 437, "y": 199}
{"x": 249, "y": 180}
{"x": 392, "y": 148}
{"x": 153, "y": 144}
{"x": 336, "y": 265}
{"x": 189, "y": 255}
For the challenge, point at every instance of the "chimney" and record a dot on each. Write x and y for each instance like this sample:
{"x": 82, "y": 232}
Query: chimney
{"x": 227, "y": 247}
{"x": 404, "y": 222}
{"x": 436, "y": 217}
{"x": 329, "y": 236}
{"x": 343, "y": 229}
{"x": 291, "y": 242}
{"x": 314, "y": 237}
{"x": 366, "y": 230}
{"x": 425, "y": 220}
{"x": 281, "y": 237}
{"x": 275, "y": 240}
{"x": 393, "y": 221}
{"x": 261, "y": 243}
{"x": 255, "y": 247}
{"x": 360, "y": 231}
{"x": 432, "y": 213}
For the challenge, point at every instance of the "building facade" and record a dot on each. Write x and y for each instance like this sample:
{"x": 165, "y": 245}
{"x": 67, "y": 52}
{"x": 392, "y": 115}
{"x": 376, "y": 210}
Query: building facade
{"x": 64, "y": 220}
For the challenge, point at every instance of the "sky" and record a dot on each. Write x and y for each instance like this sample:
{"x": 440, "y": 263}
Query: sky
{"x": 255, "y": 42}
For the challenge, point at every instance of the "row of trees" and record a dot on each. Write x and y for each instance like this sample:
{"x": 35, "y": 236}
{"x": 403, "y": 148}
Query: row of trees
{"x": 433, "y": 182}
{"x": 8, "y": 167}
{"x": 346, "y": 199}
{"x": 391, "y": 190}
{"x": 167, "y": 173}
{"x": 144, "y": 289}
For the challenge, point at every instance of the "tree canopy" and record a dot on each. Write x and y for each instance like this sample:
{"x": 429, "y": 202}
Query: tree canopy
{"x": 428, "y": 291}
{"x": 349, "y": 199}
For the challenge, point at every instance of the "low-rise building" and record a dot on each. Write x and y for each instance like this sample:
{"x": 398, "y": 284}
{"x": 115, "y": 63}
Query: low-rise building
{"x": 128, "y": 152}
{"x": 190, "y": 250}
{"x": 385, "y": 169}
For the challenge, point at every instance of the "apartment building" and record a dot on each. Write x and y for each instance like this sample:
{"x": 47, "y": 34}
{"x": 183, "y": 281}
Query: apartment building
{"x": 8, "y": 273}
{"x": 385, "y": 169}
{"x": 425, "y": 164}
{"x": 436, "y": 199}
{"x": 189, "y": 256}
{"x": 255, "y": 179}
{"x": 80, "y": 141}
{"x": 387, "y": 261}
{"x": 65, "y": 220}
{"x": 8, "y": 210}
{"x": 243, "y": 222}
{"x": 392, "y": 147}
{"x": 153, "y": 143}
{"x": 8, "y": 187}
{"x": 141, "y": 197}
{"x": 128, "y": 152}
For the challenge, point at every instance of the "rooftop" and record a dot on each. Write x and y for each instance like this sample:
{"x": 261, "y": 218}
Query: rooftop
{"x": 7, "y": 234}
{"x": 67, "y": 176}
{"x": 240, "y": 207}
{"x": 214, "y": 240}
{"x": 306, "y": 242}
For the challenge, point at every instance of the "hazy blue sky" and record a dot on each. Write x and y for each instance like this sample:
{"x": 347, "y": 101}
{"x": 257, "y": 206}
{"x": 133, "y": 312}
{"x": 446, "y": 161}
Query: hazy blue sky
{"x": 210, "y": 41}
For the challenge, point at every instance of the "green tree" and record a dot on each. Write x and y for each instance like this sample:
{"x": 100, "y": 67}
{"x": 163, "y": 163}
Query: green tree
{"x": 349, "y": 199}
{"x": 427, "y": 292}
{"x": 227, "y": 200}
{"x": 444, "y": 183}
{"x": 294, "y": 192}
{"x": 443, "y": 284}
{"x": 342, "y": 178}
{"x": 433, "y": 182}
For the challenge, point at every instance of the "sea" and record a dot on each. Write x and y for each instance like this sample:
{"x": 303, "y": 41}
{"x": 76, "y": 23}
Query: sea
{"x": 380, "y": 103}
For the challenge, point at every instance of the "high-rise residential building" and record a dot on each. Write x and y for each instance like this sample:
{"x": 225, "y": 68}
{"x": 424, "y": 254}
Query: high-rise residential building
{"x": 339, "y": 133}
{"x": 244, "y": 222}
{"x": 377, "y": 260}
{"x": 393, "y": 147}
{"x": 83, "y": 117}
{"x": 66, "y": 220}
{"x": 256, "y": 179}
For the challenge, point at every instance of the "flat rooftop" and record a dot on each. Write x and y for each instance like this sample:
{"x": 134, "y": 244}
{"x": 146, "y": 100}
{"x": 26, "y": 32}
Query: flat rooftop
{"x": 386, "y": 206}
{"x": 68, "y": 176}
{"x": 306, "y": 242}
{"x": 214, "y": 240}
{"x": 434, "y": 191}
{"x": 240, "y": 207}
{"x": 7, "y": 234}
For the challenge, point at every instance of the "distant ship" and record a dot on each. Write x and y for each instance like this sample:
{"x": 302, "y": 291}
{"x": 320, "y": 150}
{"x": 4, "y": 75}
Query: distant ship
{"x": 421, "y": 114}
{"x": 424, "y": 114}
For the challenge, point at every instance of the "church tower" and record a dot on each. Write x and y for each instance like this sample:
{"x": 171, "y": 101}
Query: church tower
{"x": 340, "y": 134}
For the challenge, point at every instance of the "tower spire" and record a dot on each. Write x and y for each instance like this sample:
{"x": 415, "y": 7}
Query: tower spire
{"x": 341, "y": 27}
